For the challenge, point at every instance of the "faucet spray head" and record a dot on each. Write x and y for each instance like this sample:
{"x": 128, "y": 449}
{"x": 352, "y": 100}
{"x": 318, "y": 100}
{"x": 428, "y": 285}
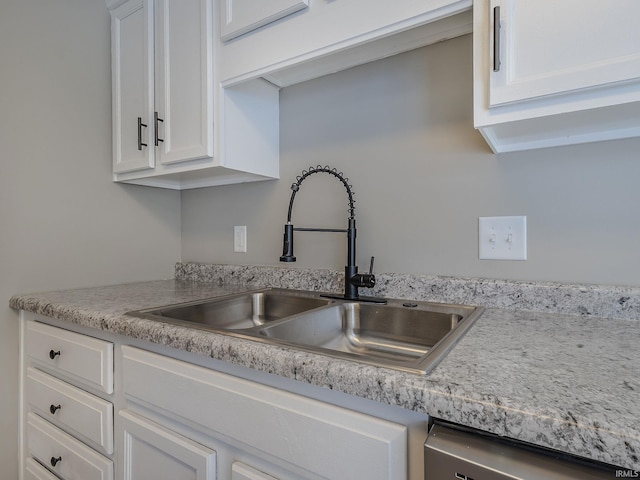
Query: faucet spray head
{"x": 287, "y": 245}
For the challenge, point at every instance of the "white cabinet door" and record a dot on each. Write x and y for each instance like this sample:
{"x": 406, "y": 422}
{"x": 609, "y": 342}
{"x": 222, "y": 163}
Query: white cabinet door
{"x": 546, "y": 47}
{"x": 133, "y": 88}
{"x": 550, "y": 73}
{"x": 153, "y": 452}
{"x": 183, "y": 126}
{"x": 242, "y": 16}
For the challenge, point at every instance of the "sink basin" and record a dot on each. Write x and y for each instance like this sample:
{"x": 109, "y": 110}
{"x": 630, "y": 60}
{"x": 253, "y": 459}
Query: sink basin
{"x": 404, "y": 335}
{"x": 236, "y": 312}
{"x": 412, "y": 336}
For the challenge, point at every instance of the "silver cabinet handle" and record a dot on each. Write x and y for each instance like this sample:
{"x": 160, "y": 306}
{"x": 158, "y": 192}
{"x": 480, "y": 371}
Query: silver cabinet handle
{"x": 157, "y": 119}
{"x": 140, "y": 125}
{"x": 496, "y": 39}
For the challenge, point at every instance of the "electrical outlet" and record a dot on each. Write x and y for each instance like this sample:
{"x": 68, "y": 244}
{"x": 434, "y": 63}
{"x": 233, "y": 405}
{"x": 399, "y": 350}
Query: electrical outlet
{"x": 240, "y": 239}
{"x": 502, "y": 238}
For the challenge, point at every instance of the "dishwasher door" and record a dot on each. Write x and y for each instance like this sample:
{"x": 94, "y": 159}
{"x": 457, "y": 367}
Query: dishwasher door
{"x": 460, "y": 454}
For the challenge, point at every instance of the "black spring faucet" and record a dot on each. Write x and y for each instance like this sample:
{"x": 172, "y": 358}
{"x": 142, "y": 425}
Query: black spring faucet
{"x": 352, "y": 279}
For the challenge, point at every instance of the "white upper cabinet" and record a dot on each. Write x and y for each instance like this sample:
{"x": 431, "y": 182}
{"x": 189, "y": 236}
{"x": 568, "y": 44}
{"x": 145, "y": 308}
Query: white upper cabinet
{"x": 553, "y": 73}
{"x": 162, "y": 83}
{"x": 328, "y": 36}
{"x": 166, "y": 127}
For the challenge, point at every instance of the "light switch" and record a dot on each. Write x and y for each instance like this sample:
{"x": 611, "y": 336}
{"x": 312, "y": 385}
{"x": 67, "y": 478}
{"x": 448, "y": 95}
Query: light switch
{"x": 502, "y": 238}
{"x": 240, "y": 239}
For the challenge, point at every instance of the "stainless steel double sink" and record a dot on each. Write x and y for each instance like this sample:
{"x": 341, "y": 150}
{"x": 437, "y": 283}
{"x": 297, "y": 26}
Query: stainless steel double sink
{"x": 403, "y": 335}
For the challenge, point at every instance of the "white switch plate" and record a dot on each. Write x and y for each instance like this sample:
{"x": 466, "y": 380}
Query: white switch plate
{"x": 502, "y": 238}
{"x": 240, "y": 239}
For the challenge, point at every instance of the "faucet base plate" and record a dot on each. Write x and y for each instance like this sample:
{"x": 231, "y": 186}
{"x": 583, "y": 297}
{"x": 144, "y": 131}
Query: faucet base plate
{"x": 360, "y": 298}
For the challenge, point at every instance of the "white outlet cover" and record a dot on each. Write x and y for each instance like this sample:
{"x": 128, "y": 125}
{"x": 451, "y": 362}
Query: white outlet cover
{"x": 502, "y": 238}
{"x": 240, "y": 239}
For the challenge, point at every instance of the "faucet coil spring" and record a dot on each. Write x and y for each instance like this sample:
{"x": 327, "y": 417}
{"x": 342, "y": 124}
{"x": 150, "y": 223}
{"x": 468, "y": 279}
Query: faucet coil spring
{"x": 331, "y": 171}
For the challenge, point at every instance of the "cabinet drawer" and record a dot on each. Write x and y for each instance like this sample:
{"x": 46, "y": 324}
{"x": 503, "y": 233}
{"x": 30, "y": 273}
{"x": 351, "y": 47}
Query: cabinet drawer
{"x": 84, "y": 415}
{"x": 327, "y": 440}
{"x": 83, "y": 358}
{"x": 68, "y": 458}
{"x": 34, "y": 471}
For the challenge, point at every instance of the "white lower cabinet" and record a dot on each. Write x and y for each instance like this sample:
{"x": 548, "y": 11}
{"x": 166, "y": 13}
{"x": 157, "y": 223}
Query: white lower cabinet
{"x": 311, "y": 438}
{"x": 172, "y": 419}
{"x": 154, "y": 452}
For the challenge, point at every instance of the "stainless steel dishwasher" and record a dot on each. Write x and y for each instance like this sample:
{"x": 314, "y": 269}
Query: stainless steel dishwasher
{"x": 452, "y": 452}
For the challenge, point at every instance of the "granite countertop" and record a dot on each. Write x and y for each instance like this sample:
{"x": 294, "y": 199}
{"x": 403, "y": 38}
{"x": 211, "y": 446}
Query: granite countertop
{"x": 565, "y": 381}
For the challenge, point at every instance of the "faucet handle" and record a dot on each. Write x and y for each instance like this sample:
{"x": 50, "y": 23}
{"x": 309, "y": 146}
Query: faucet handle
{"x": 367, "y": 280}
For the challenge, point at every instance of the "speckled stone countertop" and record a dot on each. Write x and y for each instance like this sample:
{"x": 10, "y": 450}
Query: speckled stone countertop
{"x": 550, "y": 364}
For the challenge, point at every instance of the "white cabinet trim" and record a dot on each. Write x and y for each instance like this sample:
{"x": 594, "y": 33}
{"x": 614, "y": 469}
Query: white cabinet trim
{"x": 241, "y": 16}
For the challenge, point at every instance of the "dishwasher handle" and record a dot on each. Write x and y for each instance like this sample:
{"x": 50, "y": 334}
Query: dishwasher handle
{"x": 452, "y": 452}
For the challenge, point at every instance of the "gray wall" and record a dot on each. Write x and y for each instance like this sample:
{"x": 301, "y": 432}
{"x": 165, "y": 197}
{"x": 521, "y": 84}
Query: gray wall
{"x": 402, "y": 130}
{"x": 64, "y": 223}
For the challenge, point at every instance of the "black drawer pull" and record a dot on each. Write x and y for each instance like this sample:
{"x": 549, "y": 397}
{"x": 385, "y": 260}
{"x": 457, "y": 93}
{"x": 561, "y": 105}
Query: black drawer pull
{"x": 53, "y": 354}
{"x": 156, "y": 120}
{"x": 496, "y": 40}
{"x": 55, "y": 461}
{"x": 140, "y": 125}
{"x": 53, "y": 408}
